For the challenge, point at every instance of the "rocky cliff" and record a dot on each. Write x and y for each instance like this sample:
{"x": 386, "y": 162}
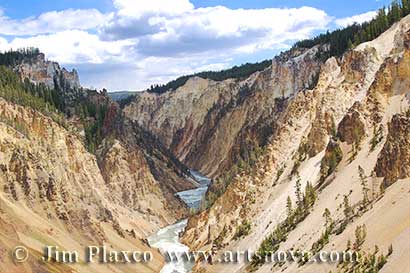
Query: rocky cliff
{"x": 342, "y": 137}
{"x": 39, "y": 70}
{"x": 173, "y": 175}
{"x": 47, "y": 176}
{"x": 211, "y": 125}
{"x": 327, "y": 140}
{"x": 394, "y": 159}
{"x": 73, "y": 198}
{"x": 96, "y": 116}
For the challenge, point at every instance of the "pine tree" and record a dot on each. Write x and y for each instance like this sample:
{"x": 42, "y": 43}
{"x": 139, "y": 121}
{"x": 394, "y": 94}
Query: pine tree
{"x": 382, "y": 21}
{"x": 405, "y": 7}
{"x": 310, "y": 195}
{"x": 289, "y": 208}
{"x": 349, "y": 44}
{"x": 395, "y": 12}
{"x": 328, "y": 219}
{"x": 298, "y": 193}
{"x": 363, "y": 182}
{"x": 347, "y": 208}
{"x": 360, "y": 234}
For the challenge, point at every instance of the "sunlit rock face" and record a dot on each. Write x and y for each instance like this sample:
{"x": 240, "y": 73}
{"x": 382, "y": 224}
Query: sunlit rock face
{"x": 40, "y": 70}
{"x": 52, "y": 192}
{"x": 209, "y": 125}
{"x": 354, "y": 122}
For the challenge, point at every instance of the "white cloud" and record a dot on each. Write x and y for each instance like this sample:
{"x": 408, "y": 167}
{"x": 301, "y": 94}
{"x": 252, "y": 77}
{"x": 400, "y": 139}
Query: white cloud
{"x": 72, "y": 46}
{"x": 53, "y": 21}
{"x": 140, "y": 8}
{"x": 3, "y": 44}
{"x": 360, "y": 18}
{"x": 141, "y": 74}
{"x": 195, "y": 31}
{"x": 143, "y": 42}
{"x": 153, "y": 41}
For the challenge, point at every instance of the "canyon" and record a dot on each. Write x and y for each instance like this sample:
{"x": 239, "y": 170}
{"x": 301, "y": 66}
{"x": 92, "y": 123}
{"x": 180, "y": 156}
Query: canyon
{"x": 338, "y": 127}
{"x": 326, "y": 137}
{"x": 114, "y": 197}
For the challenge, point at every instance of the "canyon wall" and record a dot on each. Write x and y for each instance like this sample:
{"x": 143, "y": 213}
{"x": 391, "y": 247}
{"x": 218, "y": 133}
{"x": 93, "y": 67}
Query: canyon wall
{"x": 346, "y": 138}
{"x": 211, "y": 125}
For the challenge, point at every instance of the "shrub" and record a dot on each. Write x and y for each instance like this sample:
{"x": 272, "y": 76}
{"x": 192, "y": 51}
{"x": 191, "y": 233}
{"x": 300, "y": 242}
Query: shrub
{"x": 377, "y": 137}
{"x": 242, "y": 230}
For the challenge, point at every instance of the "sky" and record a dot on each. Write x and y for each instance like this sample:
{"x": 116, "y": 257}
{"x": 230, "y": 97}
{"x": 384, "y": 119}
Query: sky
{"x": 132, "y": 44}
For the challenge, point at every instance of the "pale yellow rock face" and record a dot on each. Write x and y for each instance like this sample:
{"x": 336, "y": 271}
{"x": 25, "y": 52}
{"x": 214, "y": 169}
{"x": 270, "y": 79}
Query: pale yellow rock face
{"x": 126, "y": 173}
{"x": 367, "y": 88}
{"x": 206, "y": 123}
{"x": 52, "y": 192}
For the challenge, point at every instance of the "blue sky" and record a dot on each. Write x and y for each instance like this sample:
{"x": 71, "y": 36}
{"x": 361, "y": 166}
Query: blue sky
{"x": 24, "y": 8}
{"x": 131, "y": 44}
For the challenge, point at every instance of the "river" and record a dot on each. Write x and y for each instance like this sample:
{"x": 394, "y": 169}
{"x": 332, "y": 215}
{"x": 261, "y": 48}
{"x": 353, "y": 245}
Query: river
{"x": 167, "y": 239}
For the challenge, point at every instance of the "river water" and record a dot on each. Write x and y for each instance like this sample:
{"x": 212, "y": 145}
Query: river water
{"x": 167, "y": 239}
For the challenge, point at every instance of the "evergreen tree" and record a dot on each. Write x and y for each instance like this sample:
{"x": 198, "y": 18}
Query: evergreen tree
{"x": 289, "y": 208}
{"x": 298, "y": 193}
{"x": 236, "y": 72}
{"x": 328, "y": 219}
{"x": 360, "y": 234}
{"x": 25, "y": 93}
{"x": 341, "y": 40}
{"x": 363, "y": 182}
{"x": 395, "y": 12}
{"x": 13, "y": 57}
{"x": 347, "y": 208}
{"x": 310, "y": 196}
{"x": 405, "y": 7}
{"x": 349, "y": 44}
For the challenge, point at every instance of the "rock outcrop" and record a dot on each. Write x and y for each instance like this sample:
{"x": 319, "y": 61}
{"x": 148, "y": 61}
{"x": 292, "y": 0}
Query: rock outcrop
{"x": 47, "y": 176}
{"x": 319, "y": 125}
{"x": 159, "y": 172}
{"x": 39, "y": 70}
{"x": 210, "y": 125}
{"x": 352, "y": 128}
{"x": 355, "y": 96}
{"x": 394, "y": 159}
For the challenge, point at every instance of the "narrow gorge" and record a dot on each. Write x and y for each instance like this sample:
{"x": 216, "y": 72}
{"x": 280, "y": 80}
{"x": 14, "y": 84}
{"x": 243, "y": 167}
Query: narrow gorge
{"x": 309, "y": 151}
